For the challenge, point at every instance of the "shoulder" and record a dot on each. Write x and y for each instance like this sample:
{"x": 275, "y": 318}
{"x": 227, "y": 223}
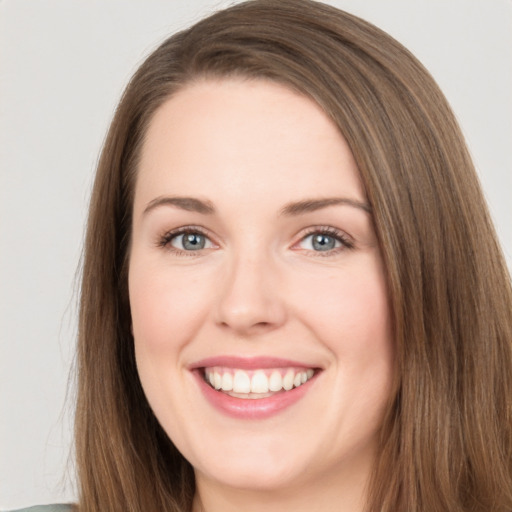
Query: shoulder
{"x": 46, "y": 508}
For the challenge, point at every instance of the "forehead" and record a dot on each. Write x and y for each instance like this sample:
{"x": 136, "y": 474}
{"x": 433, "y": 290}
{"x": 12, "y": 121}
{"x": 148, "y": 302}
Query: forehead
{"x": 244, "y": 136}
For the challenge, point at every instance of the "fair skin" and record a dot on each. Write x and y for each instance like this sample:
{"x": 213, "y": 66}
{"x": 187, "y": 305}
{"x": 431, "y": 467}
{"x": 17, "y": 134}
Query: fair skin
{"x": 236, "y": 256}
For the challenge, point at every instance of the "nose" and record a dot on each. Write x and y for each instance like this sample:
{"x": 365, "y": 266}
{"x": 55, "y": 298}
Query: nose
{"x": 250, "y": 299}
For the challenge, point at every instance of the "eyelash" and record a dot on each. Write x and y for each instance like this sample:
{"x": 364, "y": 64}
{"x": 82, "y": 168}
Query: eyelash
{"x": 345, "y": 241}
{"x": 167, "y": 238}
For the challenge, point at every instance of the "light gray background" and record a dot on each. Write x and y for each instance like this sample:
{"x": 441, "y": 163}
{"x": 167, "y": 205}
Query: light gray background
{"x": 63, "y": 65}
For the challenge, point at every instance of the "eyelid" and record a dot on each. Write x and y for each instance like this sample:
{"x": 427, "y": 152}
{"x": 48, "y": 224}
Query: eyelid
{"x": 347, "y": 242}
{"x": 164, "y": 240}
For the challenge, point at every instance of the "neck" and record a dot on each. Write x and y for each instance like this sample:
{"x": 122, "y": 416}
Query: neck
{"x": 329, "y": 493}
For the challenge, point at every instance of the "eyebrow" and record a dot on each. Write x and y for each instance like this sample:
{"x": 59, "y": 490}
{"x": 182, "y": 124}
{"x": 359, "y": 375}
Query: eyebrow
{"x": 190, "y": 204}
{"x": 205, "y": 207}
{"x": 311, "y": 205}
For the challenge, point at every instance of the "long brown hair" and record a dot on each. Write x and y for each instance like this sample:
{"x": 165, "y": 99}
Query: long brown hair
{"x": 446, "y": 440}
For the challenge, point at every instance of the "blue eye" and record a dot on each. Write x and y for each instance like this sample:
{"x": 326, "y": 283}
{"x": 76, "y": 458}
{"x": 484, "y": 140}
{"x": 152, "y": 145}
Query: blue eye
{"x": 325, "y": 241}
{"x": 189, "y": 241}
{"x": 320, "y": 242}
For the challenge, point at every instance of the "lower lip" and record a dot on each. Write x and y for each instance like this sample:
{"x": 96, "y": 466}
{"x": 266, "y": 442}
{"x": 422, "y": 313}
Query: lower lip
{"x": 255, "y": 408}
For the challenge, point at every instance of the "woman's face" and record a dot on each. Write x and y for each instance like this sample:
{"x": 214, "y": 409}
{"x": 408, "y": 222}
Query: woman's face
{"x": 255, "y": 269}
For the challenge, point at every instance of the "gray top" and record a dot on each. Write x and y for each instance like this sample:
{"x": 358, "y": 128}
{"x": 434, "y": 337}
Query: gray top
{"x": 45, "y": 508}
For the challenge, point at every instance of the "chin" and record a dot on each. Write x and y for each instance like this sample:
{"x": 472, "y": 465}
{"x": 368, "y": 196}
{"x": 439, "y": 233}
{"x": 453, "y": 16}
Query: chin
{"x": 265, "y": 466}
{"x": 254, "y": 477}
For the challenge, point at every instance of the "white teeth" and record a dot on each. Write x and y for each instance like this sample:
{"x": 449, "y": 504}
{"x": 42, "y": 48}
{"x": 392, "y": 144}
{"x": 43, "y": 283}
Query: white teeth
{"x": 275, "y": 383}
{"x": 227, "y": 382}
{"x": 259, "y": 383}
{"x": 256, "y": 382}
{"x": 288, "y": 380}
{"x": 241, "y": 382}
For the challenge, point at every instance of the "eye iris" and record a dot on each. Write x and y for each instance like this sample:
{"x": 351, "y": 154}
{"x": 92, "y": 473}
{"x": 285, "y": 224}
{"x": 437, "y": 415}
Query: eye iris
{"x": 193, "y": 241}
{"x": 323, "y": 242}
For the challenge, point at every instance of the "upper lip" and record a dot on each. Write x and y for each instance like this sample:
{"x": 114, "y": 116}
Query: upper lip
{"x": 248, "y": 363}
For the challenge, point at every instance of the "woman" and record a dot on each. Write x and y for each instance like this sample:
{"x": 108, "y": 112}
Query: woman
{"x": 292, "y": 293}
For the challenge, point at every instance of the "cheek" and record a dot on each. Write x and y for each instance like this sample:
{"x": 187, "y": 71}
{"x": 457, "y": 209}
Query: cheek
{"x": 349, "y": 309}
{"x": 167, "y": 307}
{"x": 353, "y": 322}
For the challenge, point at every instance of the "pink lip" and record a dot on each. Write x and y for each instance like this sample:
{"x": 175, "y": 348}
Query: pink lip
{"x": 248, "y": 363}
{"x": 249, "y": 409}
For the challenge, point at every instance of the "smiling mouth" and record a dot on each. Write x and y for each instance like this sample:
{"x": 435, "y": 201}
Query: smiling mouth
{"x": 254, "y": 384}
